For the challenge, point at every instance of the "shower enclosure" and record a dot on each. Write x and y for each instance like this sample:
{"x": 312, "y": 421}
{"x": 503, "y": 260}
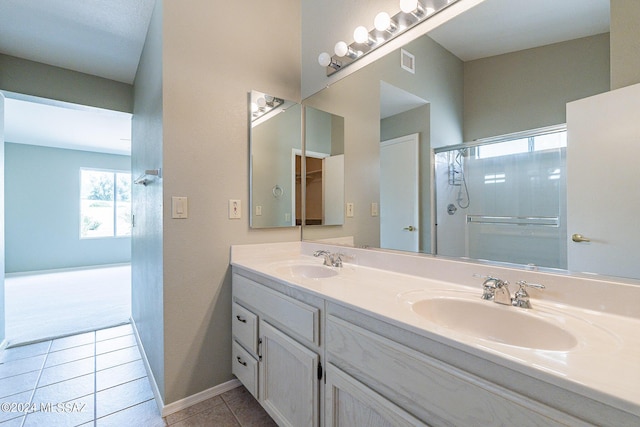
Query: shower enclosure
{"x": 504, "y": 199}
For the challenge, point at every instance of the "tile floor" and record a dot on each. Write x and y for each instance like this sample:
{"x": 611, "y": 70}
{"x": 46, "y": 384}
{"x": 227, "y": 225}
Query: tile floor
{"x": 98, "y": 379}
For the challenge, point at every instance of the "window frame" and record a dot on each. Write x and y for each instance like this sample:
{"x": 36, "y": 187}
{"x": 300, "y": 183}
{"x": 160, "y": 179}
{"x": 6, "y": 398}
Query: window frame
{"x": 115, "y": 173}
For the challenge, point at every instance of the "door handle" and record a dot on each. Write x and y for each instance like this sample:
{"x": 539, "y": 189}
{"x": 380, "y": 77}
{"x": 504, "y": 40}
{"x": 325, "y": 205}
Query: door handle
{"x": 410, "y": 228}
{"x": 578, "y": 238}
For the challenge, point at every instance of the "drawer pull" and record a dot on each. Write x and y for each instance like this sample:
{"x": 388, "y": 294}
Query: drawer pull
{"x": 240, "y": 361}
{"x": 242, "y": 319}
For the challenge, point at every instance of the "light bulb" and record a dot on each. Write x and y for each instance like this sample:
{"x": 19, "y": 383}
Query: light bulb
{"x": 341, "y": 49}
{"x": 382, "y": 21}
{"x": 361, "y": 34}
{"x": 408, "y": 6}
{"x": 324, "y": 59}
{"x": 254, "y": 107}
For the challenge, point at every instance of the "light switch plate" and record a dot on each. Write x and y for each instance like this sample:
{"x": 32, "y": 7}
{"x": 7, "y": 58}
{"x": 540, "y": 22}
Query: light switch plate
{"x": 374, "y": 209}
{"x": 235, "y": 209}
{"x": 179, "y": 207}
{"x": 350, "y": 209}
{"x": 258, "y": 210}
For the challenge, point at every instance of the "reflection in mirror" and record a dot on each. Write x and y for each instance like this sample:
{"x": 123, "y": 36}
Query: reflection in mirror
{"x": 500, "y": 68}
{"x": 504, "y": 201}
{"x": 275, "y": 141}
{"x": 323, "y": 170}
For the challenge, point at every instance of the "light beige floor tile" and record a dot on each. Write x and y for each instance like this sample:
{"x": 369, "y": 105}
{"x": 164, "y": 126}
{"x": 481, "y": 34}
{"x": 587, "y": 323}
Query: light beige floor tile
{"x": 18, "y": 383}
{"x": 218, "y": 416}
{"x": 21, "y": 352}
{"x": 21, "y": 366}
{"x": 144, "y": 414}
{"x": 117, "y": 331}
{"x": 113, "y": 344}
{"x": 15, "y": 422}
{"x": 21, "y": 399}
{"x": 73, "y": 413}
{"x": 73, "y": 341}
{"x": 118, "y": 357}
{"x": 65, "y": 391}
{"x": 120, "y": 374}
{"x": 117, "y": 398}
{"x": 194, "y": 409}
{"x": 70, "y": 355}
{"x": 67, "y": 371}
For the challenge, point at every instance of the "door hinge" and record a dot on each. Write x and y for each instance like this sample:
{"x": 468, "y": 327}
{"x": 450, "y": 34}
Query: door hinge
{"x": 319, "y": 371}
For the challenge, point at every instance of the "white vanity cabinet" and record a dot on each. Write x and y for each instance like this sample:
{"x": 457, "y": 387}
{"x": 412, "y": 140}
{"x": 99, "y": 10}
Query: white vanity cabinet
{"x": 375, "y": 380}
{"x": 276, "y": 349}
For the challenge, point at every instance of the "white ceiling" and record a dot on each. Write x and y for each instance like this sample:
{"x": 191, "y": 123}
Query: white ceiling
{"x": 496, "y": 27}
{"x": 97, "y": 37}
{"x": 105, "y": 38}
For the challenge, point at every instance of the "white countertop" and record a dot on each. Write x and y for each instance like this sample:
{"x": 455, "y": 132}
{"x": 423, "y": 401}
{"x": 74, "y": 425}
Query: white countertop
{"x": 604, "y": 365}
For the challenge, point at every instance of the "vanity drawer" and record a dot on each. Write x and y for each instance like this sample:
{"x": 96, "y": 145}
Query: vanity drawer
{"x": 245, "y": 367}
{"x": 245, "y": 327}
{"x": 292, "y": 316}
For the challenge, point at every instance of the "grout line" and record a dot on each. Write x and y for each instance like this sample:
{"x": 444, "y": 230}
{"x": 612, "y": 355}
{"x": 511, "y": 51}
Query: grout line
{"x": 35, "y": 387}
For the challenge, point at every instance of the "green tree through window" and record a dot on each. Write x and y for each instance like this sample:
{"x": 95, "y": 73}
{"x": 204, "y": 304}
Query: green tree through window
{"x": 102, "y": 214}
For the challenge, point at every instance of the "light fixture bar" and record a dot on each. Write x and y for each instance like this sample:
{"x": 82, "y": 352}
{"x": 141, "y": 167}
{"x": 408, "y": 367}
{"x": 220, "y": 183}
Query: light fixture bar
{"x": 386, "y": 28}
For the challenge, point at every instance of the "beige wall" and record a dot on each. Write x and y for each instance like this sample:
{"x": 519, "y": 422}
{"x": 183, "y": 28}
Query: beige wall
{"x": 438, "y": 81}
{"x": 625, "y": 43}
{"x": 214, "y": 53}
{"x": 529, "y": 89}
{"x": 46, "y": 81}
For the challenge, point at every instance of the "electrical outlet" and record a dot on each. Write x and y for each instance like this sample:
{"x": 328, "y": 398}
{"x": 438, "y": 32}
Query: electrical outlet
{"x": 350, "y": 209}
{"x": 235, "y": 209}
{"x": 374, "y": 209}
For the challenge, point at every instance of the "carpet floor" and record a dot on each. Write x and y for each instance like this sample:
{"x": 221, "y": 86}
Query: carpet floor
{"x": 46, "y": 305}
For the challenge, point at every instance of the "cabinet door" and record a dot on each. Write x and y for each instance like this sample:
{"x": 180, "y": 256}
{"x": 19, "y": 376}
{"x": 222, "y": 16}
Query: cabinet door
{"x": 351, "y": 403}
{"x": 288, "y": 379}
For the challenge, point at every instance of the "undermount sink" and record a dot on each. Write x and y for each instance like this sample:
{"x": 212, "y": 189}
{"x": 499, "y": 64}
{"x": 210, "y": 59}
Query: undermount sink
{"x": 307, "y": 271}
{"x": 499, "y": 323}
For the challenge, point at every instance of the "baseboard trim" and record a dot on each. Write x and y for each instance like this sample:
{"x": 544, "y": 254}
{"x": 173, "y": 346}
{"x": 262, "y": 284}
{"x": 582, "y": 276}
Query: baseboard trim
{"x": 65, "y": 269}
{"x": 181, "y": 404}
{"x": 152, "y": 379}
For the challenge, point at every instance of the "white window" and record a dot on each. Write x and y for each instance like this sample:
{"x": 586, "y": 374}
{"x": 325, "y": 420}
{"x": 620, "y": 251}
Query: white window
{"x": 530, "y": 144}
{"x": 105, "y": 203}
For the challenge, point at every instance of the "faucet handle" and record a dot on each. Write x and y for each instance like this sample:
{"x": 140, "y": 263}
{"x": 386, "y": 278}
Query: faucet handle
{"x": 488, "y": 286}
{"x": 521, "y": 297}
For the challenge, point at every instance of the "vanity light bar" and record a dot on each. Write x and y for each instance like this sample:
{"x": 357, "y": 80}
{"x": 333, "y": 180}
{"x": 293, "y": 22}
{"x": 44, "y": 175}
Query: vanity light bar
{"x": 386, "y": 28}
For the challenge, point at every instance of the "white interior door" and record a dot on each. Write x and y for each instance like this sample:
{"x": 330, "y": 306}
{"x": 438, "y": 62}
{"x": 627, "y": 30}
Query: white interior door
{"x": 603, "y": 203}
{"x": 399, "y": 194}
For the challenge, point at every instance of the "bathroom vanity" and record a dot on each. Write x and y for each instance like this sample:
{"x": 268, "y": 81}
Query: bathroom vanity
{"x": 392, "y": 339}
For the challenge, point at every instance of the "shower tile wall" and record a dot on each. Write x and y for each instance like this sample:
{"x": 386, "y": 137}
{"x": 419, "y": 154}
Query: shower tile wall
{"x": 519, "y": 185}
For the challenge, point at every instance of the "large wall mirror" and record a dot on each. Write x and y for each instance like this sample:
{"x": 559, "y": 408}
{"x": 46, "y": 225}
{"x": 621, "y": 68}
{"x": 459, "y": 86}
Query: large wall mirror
{"x": 292, "y": 184}
{"x": 467, "y": 156}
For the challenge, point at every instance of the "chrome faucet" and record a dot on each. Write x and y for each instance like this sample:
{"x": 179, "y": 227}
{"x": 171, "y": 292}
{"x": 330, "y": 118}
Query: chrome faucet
{"x": 521, "y": 297}
{"x": 497, "y": 290}
{"x": 330, "y": 259}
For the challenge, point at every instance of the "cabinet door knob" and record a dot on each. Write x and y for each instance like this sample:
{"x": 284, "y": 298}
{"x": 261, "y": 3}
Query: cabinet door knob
{"x": 240, "y": 361}
{"x": 241, "y": 319}
{"x": 410, "y": 228}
